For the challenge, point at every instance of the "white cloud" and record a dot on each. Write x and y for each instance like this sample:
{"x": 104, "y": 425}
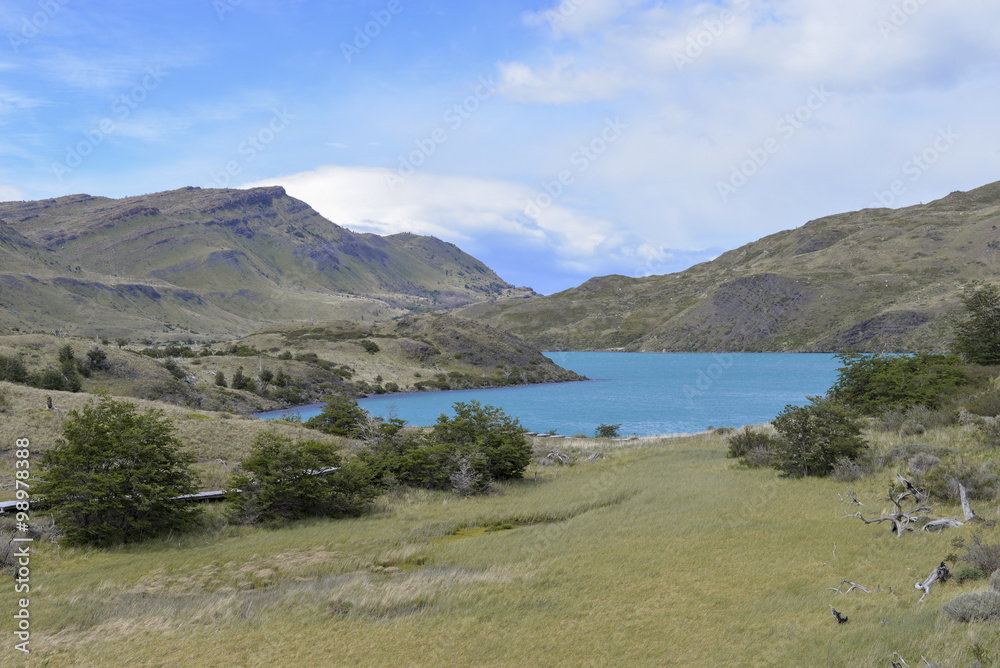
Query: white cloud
{"x": 461, "y": 209}
{"x": 11, "y": 193}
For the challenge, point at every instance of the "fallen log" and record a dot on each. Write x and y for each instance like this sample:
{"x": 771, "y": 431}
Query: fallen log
{"x": 937, "y": 525}
{"x": 940, "y": 573}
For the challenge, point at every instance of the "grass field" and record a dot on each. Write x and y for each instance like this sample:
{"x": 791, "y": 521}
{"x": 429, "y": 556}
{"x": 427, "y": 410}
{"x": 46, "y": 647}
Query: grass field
{"x": 664, "y": 553}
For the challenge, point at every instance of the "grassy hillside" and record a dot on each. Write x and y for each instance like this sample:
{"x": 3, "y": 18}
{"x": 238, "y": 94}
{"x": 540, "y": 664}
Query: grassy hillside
{"x": 665, "y": 553}
{"x": 295, "y": 364}
{"x": 205, "y": 264}
{"x": 419, "y": 352}
{"x": 877, "y": 279}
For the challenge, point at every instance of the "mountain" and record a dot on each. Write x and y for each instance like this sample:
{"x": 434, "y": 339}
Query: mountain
{"x": 872, "y": 280}
{"x": 215, "y": 263}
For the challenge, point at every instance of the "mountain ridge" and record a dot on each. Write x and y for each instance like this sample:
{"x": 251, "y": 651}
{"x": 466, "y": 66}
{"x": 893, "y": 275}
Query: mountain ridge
{"x": 215, "y": 263}
{"x": 869, "y": 280}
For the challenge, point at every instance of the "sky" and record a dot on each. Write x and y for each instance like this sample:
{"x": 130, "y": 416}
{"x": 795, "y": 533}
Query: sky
{"x": 555, "y": 141}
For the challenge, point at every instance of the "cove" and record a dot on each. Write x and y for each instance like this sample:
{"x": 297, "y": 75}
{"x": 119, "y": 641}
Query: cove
{"x": 647, "y": 393}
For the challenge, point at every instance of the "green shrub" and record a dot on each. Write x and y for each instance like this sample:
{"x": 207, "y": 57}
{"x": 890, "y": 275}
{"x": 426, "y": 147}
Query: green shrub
{"x": 981, "y": 481}
{"x": 995, "y": 580}
{"x": 985, "y": 403}
{"x": 974, "y": 607}
{"x": 478, "y": 444}
{"x": 970, "y": 574}
{"x": 114, "y": 475}
{"x": 813, "y": 437}
{"x": 746, "y": 439}
{"x": 220, "y": 379}
{"x": 980, "y": 555}
{"x": 279, "y": 481}
{"x": 988, "y": 435}
{"x": 607, "y": 431}
{"x": 370, "y": 346}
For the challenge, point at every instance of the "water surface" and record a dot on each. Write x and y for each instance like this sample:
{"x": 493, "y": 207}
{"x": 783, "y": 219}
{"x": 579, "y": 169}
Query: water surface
{"x": 647, "y": 393}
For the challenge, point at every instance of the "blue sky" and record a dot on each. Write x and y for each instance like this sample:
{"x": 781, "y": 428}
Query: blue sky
{"x": 554, "y": 140}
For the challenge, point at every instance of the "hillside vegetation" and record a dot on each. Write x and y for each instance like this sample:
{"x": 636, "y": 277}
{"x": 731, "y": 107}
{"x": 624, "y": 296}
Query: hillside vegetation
{"x": 288, "y": 364}
{"x": 871, "y": 280}
{"x": 664, "y": 553}
{"x": 208, "y": 264}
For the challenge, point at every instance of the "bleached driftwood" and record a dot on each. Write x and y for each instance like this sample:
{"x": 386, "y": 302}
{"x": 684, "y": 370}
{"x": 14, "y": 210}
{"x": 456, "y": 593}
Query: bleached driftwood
{"x": 940, "y": 573}
{"x": 937, "y": 525}
{"x": 900, "y": 519}
{"x": 854, "y": 585}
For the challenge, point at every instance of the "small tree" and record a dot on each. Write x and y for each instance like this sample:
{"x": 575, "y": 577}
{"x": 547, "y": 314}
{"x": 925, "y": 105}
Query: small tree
{"x": 114, "y": 475}
{"x": 977, "y": 338}
{"x": 242, "y": 381}
{"x": 341, "y": 417}
{"x": 370, "y": 346}
{"x": 607, "y": 431}
{"x": 486, "y": 431}
{"x": 286, "y": 480}
{"x": 220, "y": 379}
{"x": 96, "y": 358}
{"x": 814, "y": 437}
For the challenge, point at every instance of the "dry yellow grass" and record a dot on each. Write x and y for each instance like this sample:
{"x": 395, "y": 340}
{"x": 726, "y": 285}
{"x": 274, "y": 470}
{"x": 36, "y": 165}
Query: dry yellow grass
{"x": 663, "y": 554}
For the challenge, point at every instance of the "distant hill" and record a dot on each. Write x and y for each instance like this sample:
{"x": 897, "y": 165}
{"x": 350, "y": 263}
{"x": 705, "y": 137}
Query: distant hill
{"x": 876, "y": 279}
{"x": 215, "y": 264}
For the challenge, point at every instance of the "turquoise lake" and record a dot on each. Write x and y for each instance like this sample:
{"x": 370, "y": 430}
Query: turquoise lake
{"x": 647, "y": 393}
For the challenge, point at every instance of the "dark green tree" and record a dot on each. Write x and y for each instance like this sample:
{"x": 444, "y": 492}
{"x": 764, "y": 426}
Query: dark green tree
{"x": 115, "y": 474}
{"x": 977, "y": 337}
{"x": 489, "y": 435}
{"x": 873, "y": 383}
{"x": 220, "y": 379}
{"x": 813, "y": 437}
{"x": 12, "y": 369}
{"x": 607, "y": 431}
{"x": 341, "y": 417}
{"x": 97, "y": 359}
{"x": 241, "y": 381}
{"x": 286, "y": 480}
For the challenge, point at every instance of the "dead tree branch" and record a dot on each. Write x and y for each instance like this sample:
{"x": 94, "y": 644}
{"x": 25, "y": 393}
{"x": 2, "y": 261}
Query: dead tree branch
{"x": 854, "y": 585}
{"x": 940, "y": 573}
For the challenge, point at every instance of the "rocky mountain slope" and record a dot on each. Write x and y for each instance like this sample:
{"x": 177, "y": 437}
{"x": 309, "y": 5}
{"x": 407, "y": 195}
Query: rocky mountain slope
{"x": 194, "y": 263}
{"x": 876, "y": 279}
